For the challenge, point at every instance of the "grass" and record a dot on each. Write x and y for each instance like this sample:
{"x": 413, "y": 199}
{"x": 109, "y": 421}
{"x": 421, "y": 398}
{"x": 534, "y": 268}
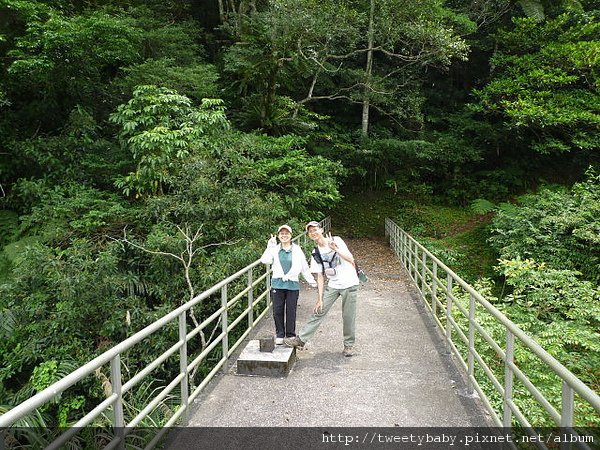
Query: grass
{"x": 455, "y": 234}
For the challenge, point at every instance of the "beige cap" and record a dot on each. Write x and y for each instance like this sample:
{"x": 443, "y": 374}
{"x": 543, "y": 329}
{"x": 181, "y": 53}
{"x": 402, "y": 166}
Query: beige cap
{"x": 312, "y": 223}
{"x": 284, "y": 227}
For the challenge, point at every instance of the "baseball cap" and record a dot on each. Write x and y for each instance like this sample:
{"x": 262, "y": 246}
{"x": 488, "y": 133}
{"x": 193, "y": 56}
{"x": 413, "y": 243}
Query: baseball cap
{"x": 285, "y": 227}
{"x": 312, "y": 223}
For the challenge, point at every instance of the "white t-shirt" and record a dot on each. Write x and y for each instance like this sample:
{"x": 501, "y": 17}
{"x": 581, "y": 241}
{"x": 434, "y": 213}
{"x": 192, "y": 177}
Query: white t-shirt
{"x": 345, "y": 273}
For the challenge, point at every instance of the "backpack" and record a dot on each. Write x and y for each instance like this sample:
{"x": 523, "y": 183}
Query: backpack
{"x": 316, "y": 254}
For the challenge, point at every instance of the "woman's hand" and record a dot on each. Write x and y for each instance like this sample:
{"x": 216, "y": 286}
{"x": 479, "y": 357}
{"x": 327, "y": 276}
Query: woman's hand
{"x": 272, "y": 242}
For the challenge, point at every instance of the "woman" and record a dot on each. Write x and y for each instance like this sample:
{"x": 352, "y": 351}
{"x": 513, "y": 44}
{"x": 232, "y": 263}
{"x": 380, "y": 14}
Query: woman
{"x": 288, "y": 262}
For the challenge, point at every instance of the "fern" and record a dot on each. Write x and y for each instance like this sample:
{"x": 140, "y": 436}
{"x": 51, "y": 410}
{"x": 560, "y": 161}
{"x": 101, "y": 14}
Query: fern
{"x": 132, "y": 285}
{"x": 508, "y": 208}
{"x": 533, "y": 9}
{"x": 482, "y": 206}
{"x": 7, "y": 323}
{"x": 26, "y": 429}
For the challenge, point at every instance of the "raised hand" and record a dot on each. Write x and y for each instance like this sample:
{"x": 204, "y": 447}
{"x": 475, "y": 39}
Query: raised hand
{"x": 330, "y": 242}
{"x": 272, "y": 242}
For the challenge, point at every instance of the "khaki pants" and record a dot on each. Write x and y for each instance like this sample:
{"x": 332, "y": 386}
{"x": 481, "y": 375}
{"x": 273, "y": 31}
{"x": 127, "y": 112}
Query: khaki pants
{"x": 330, "y": 295}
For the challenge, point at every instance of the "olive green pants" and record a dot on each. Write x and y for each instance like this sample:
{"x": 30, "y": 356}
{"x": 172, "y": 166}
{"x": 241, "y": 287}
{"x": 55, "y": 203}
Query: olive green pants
{"x": 330, "y": 296}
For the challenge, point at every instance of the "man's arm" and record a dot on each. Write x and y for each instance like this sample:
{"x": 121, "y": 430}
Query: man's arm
{"x": 338, "y": 245}
{"x": 320, "y": 283}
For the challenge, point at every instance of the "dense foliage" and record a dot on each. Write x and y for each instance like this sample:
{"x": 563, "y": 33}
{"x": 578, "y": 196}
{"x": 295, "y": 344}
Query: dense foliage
{"x": 556, "y": 226}
{"x": 147, "y": 120}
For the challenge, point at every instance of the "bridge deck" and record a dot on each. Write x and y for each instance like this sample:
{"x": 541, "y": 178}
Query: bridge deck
{"x": 401, "y": 375}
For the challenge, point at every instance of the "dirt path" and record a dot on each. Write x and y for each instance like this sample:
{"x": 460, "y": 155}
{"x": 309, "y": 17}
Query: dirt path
{"x": 376, "y": 258}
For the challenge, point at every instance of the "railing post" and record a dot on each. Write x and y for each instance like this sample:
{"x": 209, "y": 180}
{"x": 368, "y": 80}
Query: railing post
{"x": 508, "y": 378}
{"x": 404, "y": 250}
{"x": 225, "y": 326}
{"x": 250, "y": 300}
{"x": 434, "y": 288}
{"x": 471, "y": 341}
{"x": 408, "y": 254}
{"x": 416, "y": 262}
{"x": 567, "y": 411}
{"x": 410, "y": 258}
{"x": 448, "y": 308}
{"x": 183, "y": 363}
{"x": 423, "y": 274}
{"x": 399, "y": 238}
{"x": 566, "y": 416}
{"x": 118, "y": 418}
{"x": 268, "y": 285}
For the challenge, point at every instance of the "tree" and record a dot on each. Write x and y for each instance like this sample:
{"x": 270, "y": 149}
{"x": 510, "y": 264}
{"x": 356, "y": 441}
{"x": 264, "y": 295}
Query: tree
{"x": 545, "y": 83}
{"x": 159, "y": 127}
{"x": 61, "y": 62}
{"x": 324, "y": 44}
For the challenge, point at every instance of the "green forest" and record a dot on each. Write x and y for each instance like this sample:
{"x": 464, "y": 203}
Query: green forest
{"x": 130, "y": 128}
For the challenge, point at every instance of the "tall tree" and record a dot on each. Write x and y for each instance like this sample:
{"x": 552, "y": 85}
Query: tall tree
{"x": 363, "y": 53}
{"x": 368, "y": 68}
{"x": 545, "y": 83}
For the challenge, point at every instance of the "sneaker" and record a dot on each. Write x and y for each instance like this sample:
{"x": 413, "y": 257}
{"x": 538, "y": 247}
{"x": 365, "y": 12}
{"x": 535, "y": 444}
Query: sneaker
{"x": 293, "y": 342}
{"x": 348, "y": 351}
{"x": 278, "y": 341}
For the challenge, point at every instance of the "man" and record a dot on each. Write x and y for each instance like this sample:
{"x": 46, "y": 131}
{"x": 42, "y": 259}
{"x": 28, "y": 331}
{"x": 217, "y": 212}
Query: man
{"x": 332, "y": 259}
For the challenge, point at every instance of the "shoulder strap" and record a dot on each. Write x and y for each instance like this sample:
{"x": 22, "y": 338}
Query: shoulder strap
{"x": 316, "y": 254}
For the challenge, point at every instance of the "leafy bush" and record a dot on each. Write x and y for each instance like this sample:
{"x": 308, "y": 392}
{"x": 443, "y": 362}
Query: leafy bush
{"x": 569, "y": 336}
{"x": 556, "y": 226}
{"x": 562, "y": 313}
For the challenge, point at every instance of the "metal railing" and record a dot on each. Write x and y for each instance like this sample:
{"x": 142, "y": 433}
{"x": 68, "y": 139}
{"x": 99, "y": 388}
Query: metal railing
{"x": 441, "y": 296}
{"x": 253, "y": 299}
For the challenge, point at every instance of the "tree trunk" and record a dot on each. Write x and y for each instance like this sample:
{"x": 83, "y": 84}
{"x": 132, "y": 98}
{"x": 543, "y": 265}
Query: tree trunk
{"x": 368, "y": 71}
{"x": 269, "y": 101}
{"x": 221, "y": 12}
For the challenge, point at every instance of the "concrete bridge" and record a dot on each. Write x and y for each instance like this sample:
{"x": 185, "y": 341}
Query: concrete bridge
{"x": 425, "y": 358}
{"x": 402, "y": 374}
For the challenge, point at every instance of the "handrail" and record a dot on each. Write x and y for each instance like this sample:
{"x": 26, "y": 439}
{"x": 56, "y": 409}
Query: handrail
{"x": 112, "y": 355}
{"x": 414, "y": 257}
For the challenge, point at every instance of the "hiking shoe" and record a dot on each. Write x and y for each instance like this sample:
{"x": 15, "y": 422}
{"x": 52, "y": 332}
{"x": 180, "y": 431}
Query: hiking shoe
{"x": 278, "y": 341}
{"x": 293, "y": 342}
{"x": 348, "y": 351}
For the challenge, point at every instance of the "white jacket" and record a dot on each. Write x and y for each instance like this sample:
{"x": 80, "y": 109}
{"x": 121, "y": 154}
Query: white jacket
{"x": 299, "y": 264}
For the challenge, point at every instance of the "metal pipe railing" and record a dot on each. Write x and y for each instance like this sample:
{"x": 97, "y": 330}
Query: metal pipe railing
{"x": 113, "y": 357}
{"x": 407, "y": 249}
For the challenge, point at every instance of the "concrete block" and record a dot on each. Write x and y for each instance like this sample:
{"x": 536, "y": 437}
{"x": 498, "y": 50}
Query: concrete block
{"x": 277, "y": 363}
{"x": 267, "y": 343}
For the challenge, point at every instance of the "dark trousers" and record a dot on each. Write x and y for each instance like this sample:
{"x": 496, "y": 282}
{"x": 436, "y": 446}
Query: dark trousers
{"x": 285, "y": 303}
